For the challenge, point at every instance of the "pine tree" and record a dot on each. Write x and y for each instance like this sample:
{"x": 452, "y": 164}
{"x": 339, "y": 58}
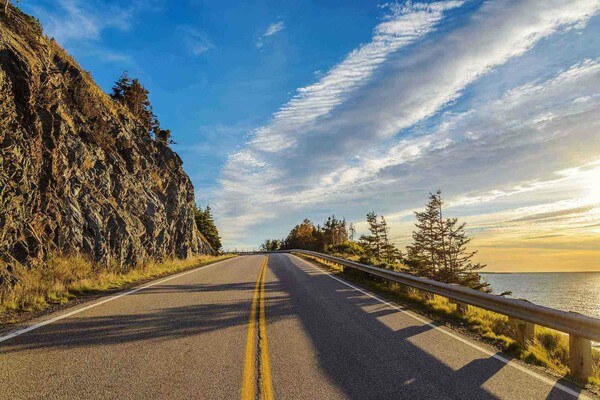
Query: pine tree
{"x": 133, "y": 95}
{"x": 342, "y": 236}
{"x": 424, "y": 252}
{"x": 162, "y": 136}
{"x": 461, "y": 268}
{"x": 121, "y": 88}
{"x": 206, "y": 225}
{"x": 439, "y": 249}
{"x": 372, "y": 243}
{"x": 390, "y": 253}
{"x": 351, "y": 232}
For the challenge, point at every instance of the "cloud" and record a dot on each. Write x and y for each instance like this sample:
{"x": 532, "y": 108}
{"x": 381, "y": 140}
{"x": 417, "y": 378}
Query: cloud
{"x": 373, "y": 123}
{"x": 553, "y": 215}
{"x": 76, "y": 20}
{"x": 403, "y": 26}
{"x": 195, "y": 41}
{"x": 274, "y": 28}
{"x": 271, "y": 30}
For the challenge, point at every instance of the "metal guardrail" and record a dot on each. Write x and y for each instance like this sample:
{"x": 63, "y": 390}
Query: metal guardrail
{"x": 582, "y": 329}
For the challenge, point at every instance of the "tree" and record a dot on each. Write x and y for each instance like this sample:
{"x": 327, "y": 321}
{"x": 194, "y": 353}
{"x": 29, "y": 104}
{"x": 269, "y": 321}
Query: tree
{"x": 121, "y": 88}
{"x": 389, "y": 252}
{"x": 439, "y": 249}
{"x": 334, "y": 232}
{"x": 271, "y": 245}
{"x": 351, "y": 232}
{"x": 303, "y": 236}
{"x": 206, "y": 225}
{"x": 162, "y": 136}
{"x": 372, "y": 243}
{"x": 133, "y": 95}
{"x": 423, "y": 254}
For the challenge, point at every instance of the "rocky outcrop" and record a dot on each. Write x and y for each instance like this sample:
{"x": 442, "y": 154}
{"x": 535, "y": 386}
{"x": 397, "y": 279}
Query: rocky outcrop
{"x": 78, "y": 173}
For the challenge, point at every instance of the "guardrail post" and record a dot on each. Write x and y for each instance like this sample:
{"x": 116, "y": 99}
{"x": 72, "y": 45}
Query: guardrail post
{"x": 580, "y": 357}
{"x": 461, "y": 308}
{"x": 427, "y": 295}
{"x": 525, "y": 331}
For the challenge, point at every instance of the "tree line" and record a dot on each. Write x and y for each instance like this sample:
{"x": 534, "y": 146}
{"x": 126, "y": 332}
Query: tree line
{"x": 438, "y": 250}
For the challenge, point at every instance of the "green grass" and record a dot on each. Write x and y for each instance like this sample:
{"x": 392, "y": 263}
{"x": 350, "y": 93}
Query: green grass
{"x": 550, "y": 348}
{"x": 65, "y": 278}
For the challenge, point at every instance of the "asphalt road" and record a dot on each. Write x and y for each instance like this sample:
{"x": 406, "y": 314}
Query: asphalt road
{"x": 244, "y": 328}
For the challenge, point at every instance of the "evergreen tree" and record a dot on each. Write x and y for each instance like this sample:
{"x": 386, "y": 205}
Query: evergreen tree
{"x": 423, "y": 254}
{"x": 270, "y": 245}
{"x": 162, "y": 136}
{"x": 372, "y": 243}
{"x": 390, "y": 253}
{"x": 121, "y": 88}
{"x": 206, "y": 225}
{"x": 133, "y": 95}
{"x": 439, "y": 249}
{"x": 351, "y": 232}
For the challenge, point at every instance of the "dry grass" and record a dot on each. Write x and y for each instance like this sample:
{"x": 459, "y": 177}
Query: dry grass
{"x": 64, "y": 278}
{"x": 550, "y": 348}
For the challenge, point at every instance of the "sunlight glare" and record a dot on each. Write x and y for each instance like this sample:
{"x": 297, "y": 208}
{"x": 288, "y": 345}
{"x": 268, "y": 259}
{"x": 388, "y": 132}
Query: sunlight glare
{"x": 591, "y": 185}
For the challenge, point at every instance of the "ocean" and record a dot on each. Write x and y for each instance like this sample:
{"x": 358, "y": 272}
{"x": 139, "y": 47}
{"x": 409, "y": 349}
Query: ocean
{"x": 568, "y": 291}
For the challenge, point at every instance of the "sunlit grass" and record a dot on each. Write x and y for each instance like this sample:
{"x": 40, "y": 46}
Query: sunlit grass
{"x": 550, "y": 348}
{"x": 65, "y": 278}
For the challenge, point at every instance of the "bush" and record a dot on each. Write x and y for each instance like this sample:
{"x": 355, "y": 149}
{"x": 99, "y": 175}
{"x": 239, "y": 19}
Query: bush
{"x": 346, "y": 248}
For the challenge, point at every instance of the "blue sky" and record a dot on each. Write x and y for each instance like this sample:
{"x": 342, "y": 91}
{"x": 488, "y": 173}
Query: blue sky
{"x": 286, "y": 110}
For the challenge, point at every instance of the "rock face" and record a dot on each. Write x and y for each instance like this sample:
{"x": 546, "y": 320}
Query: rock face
{"x": 78, "y": 173}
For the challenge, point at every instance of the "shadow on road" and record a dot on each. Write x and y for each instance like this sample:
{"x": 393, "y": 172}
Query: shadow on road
{"x": 556, "y": 393}
{"x": 365, "y": 357}
{"x": 153, "y": 324}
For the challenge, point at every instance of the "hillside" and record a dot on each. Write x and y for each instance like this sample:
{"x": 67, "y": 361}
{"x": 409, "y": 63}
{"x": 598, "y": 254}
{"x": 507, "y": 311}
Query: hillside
{"x": 78, "y": 173}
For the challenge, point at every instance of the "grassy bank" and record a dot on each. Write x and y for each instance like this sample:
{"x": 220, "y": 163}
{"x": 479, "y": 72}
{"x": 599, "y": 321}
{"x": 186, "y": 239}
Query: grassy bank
{"x": 66, "y": 278}
{"x": 550, "y": 348}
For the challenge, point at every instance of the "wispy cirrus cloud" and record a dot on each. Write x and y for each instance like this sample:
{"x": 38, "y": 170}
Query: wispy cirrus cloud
{"x": 76, "y": 20}
{"x": 272, "y": 29}
{"x": 80, "y": 25}
{"x": 195, "y": 41}
{"x": 381, "y": 121}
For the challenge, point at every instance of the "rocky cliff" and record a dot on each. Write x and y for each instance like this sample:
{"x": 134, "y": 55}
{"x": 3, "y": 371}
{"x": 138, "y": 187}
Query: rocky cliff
{"x": 78, "y": 173}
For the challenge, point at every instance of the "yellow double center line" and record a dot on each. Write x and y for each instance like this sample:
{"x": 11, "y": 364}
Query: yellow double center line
{"x": 257, "y": 351}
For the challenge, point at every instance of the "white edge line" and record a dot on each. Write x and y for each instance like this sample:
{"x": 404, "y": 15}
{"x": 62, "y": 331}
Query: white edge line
{"x": 452, "y": 335}
{"x": 99, "y": 303}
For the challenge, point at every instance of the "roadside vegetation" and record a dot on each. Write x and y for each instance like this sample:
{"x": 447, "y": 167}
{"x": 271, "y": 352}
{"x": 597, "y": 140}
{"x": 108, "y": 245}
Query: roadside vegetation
{"x": 65, "y": 278}
{"x": 438, "y": 251}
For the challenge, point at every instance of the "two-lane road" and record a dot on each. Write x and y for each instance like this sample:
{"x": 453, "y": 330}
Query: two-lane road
{"x": 248, "y": 327}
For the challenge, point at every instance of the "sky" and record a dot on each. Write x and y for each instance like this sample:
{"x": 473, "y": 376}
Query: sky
{"x": 301, "y": 109}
